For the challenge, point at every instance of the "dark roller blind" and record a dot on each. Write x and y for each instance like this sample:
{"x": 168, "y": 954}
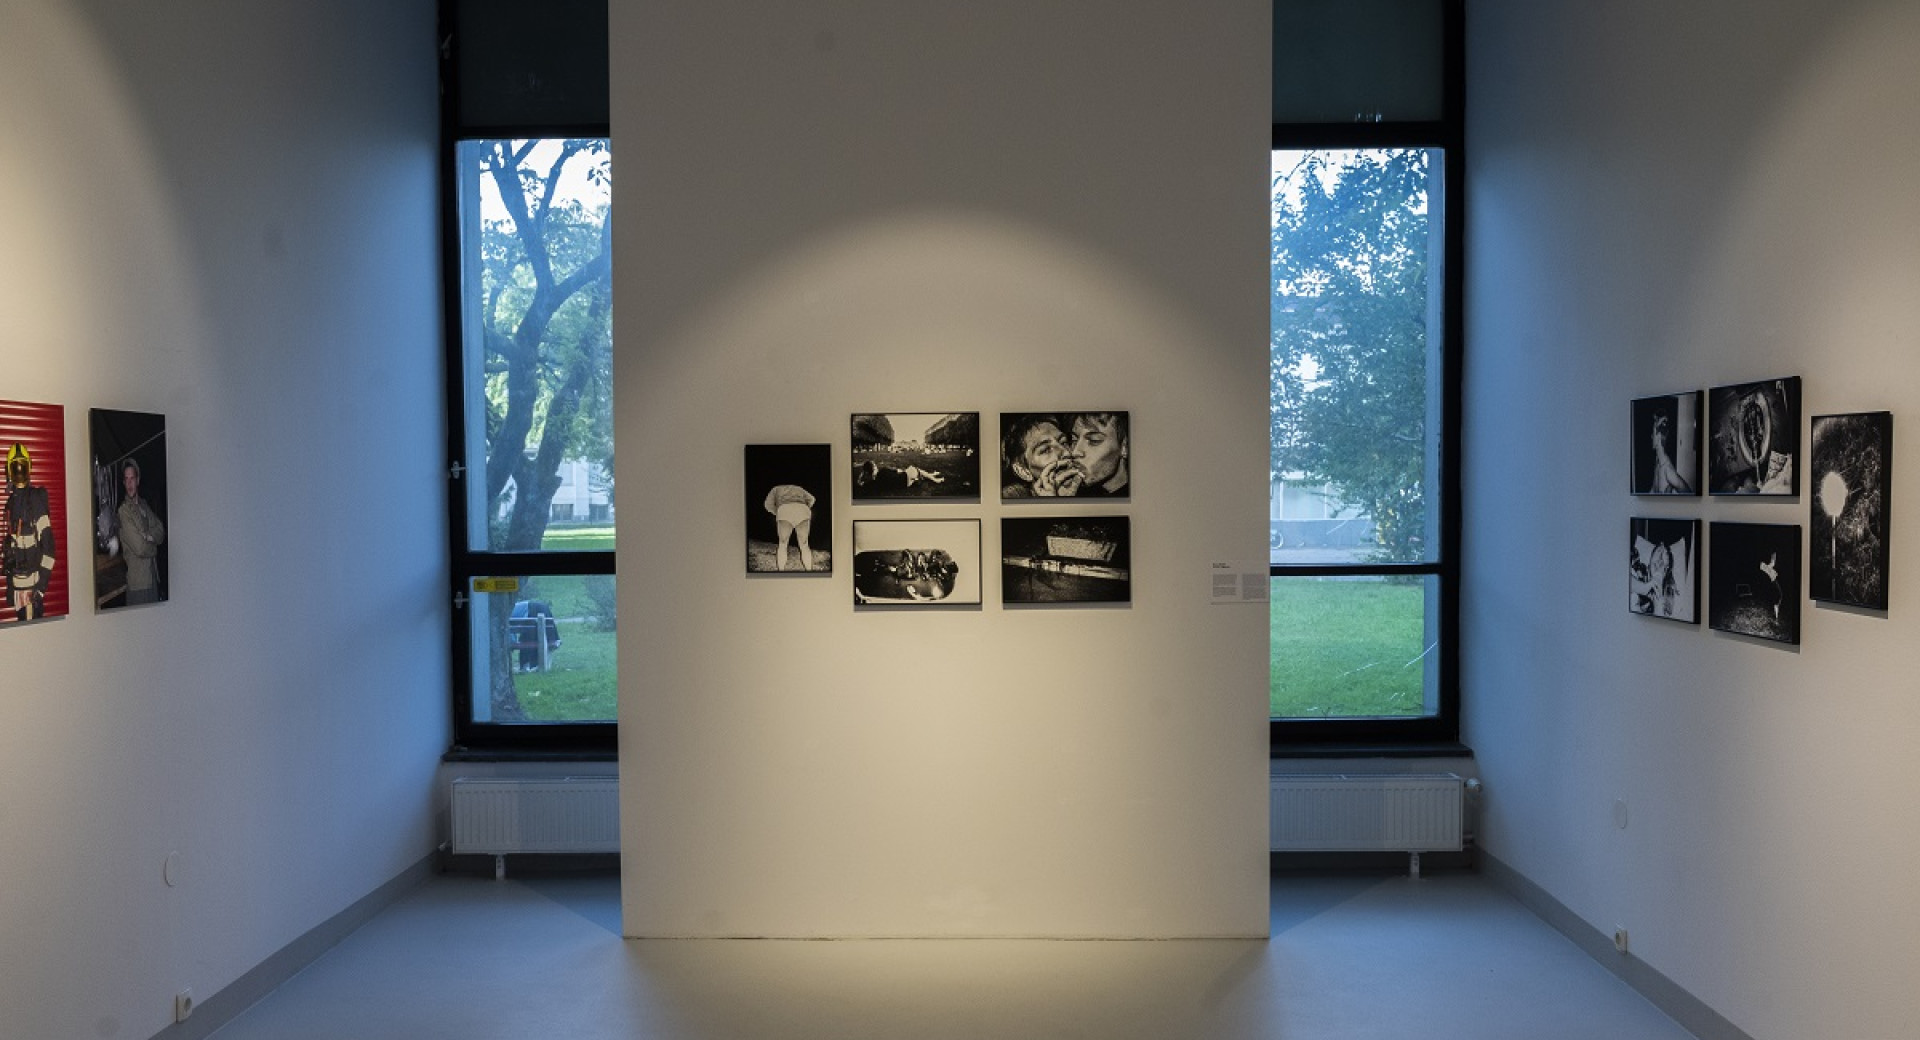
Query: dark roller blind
{"x": 528, "y": 64}
{"x": 1335, "y": 59}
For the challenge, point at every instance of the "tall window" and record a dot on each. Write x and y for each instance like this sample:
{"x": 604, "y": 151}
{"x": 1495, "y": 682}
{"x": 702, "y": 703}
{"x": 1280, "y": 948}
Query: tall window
{"x": 1363, "y": 504}
{"x": 529, "y": 171}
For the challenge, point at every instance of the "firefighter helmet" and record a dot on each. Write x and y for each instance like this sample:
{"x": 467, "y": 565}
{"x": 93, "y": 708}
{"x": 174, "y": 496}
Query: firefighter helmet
{"x": 19, "y": 465}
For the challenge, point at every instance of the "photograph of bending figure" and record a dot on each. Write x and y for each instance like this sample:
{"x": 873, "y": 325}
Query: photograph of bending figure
{"x": 33, "y": 511}
{"x": 129, "y": 508}
{"x": 1753, "y": 580}
{"x": 916, "y": 455}
{"x": 1663, "y": 569}
{"x": 1753, "y": 438}
{"x": 789, "y": 508}
{"x": 1852, "y": 494}
{"x": 916, "y": 562}
{"x": 1666, "y": 444}
{"x": 1065, "y": 455}
{"x": 1065, "y": 559}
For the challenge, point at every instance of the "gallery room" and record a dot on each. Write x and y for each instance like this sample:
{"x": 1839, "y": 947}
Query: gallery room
{"x": 961, "y": 357}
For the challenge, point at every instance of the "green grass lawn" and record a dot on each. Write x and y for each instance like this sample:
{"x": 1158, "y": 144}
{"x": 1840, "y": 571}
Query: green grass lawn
{"x": 578, "y": 538}
{"x": 1346, "y": 647}
{"x": 581, "y": 687}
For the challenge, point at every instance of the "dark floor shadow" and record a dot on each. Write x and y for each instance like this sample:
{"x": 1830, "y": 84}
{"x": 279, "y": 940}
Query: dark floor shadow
{"x": 1299, "y": 898}
{"x": 595, "y": 897}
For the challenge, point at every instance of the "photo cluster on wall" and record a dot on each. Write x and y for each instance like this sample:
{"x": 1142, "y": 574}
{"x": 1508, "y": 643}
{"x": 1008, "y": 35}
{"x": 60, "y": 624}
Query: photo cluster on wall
{"x": 1750, "y": 446}
{"x": 935, "y": 458}
{"x": 126, "y": 525}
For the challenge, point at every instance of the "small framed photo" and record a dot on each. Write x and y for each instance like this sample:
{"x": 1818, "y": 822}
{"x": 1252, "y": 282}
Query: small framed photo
{"x": 1753, "y": 438}
{"x": 129, "y": 507}
{"x": 1753, "y": 580}
{"x": 1065, "y": 559}
{"x": 916, "y": 455}
{"x": 789, "y": 508}
{"x": 1663, "y": 569}
{"x": 1852, "y": 495}
{"x": 1065, "y": 455}
{"x": 916, "y": 563}
{"x": 1666, "y": 444}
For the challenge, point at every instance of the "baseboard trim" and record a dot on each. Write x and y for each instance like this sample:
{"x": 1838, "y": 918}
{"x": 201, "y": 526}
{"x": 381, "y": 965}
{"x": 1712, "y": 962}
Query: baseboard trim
{"x": 228, "y": 1004}
{"x": 1683, "y": 1007}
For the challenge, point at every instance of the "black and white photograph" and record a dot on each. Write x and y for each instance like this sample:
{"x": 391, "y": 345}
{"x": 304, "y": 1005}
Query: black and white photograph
{"x": 916, "y": 563}
{"x": 1852, "y": 473}
{"x": 1753, "y": 580}
{"x": 1065, "y": 455}
{"x": 1666, "y": 444}
{"x": 789, "y": 504}
{"x": 129, "y": 474}
{"x": 1663, "y": 568}
{"x": 916, "y": 455}
{"x": 1065, "y": 559}
{"x": 1753, "y": 438}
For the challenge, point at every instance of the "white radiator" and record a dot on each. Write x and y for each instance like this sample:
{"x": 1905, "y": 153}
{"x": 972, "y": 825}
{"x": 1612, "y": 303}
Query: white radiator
{"x": 548, "y": 814}
{"x": 1343, "y": 812}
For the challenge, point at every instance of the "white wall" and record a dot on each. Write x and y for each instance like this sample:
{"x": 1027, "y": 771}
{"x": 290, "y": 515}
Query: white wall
{"x": 881, "y": 206}
{"x": 1668, "y": 197}
{"x": 224, "y": 212}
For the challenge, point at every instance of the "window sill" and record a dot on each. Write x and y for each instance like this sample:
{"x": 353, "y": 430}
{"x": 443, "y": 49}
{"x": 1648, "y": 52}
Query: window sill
{"x": 1431, "y": 749}
{"x": 467, "y": 754}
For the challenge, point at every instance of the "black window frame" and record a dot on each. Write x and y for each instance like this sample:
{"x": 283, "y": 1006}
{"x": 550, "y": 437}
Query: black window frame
{"x": 471, "y": 739}
{"x": 1440, "y": 731}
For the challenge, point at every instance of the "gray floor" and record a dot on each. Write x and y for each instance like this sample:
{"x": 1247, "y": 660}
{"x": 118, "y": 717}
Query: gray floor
{"x": 1444, "y": 958}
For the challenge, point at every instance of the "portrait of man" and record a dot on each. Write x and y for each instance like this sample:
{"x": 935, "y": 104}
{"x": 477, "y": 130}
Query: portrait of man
{"x": 1098, "y": 442}
{"x": 129, "y": 507}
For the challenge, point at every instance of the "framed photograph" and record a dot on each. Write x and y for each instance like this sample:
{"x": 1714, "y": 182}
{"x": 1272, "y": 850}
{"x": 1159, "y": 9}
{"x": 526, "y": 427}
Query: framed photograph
{"x": 1753, "y": 438}
{"x": 916, "y": 455}
{"x": 916, "y": 563}
{"x": 129, "y": 470}
{"x": 1065, "y": 559}
{"x": 1852, "y": 494}
{"x": 789, "y": 508}
{"x": 1663, "y": 569}
{"x": 1065, "y": 455}
{"x": 33, "y": 513}
{"x": 1666, "y": 444}
{"x": 1753, "y": 580}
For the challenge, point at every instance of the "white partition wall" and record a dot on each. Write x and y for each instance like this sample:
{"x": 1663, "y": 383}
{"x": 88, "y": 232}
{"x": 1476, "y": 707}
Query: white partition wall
{"x": 1668, "y": 197}
{"x": 879, "y": 206}
{"x": 223, "y": 212}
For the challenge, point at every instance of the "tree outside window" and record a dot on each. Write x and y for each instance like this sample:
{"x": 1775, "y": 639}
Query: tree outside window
{"x": 1355, "y": 417}
{"x": 538, "y": 334}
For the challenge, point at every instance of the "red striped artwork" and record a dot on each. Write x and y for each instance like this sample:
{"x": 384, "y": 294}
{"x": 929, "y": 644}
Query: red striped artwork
{"x": 41, "y": 430}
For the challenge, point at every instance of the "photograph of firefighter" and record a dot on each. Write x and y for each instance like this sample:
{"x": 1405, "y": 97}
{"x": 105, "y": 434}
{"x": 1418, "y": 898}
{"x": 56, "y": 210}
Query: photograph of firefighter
{"x": 35, "y": 511}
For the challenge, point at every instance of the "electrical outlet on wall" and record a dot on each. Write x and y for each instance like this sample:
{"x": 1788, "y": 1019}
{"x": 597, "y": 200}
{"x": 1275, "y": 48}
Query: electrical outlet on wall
{"x": 182, "y": 1005}
{"x": 1620, "y": 939}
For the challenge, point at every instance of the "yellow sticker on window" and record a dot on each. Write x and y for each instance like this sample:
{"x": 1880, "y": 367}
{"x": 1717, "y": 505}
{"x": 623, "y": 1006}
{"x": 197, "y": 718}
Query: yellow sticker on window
{"x": 496, "y": 584}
